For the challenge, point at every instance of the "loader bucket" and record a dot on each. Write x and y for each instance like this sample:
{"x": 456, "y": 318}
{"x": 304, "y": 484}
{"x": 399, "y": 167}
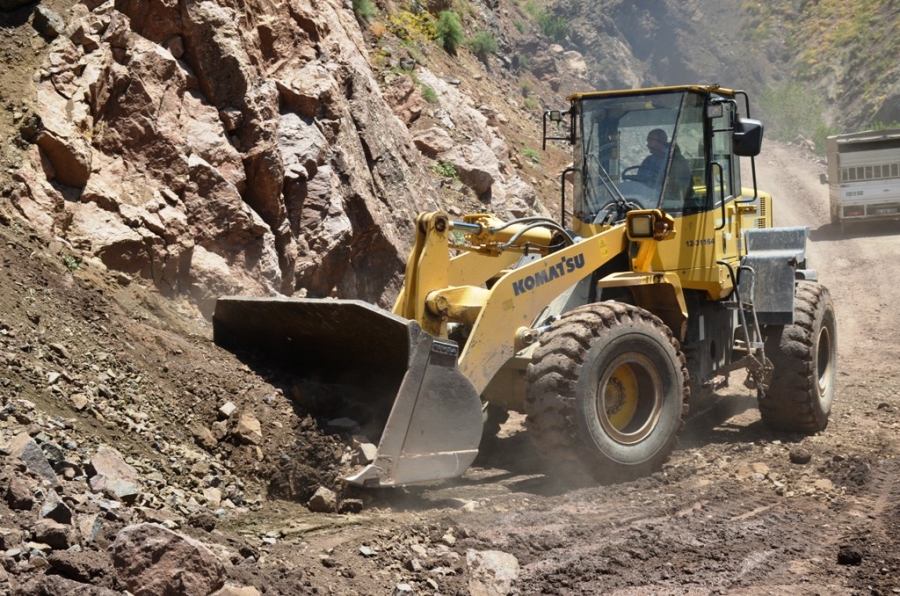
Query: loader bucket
{"x": 434, "y": 422}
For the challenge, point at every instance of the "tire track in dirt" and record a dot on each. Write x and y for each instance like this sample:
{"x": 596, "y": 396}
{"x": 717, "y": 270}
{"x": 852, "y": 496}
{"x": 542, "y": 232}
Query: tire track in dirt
{"x": 726, "y": 536}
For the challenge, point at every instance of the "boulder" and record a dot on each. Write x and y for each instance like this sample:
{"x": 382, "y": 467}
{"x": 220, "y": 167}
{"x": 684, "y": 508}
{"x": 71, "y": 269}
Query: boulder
{"x": 113, "y": 476}
{"x": 152, "y": 561}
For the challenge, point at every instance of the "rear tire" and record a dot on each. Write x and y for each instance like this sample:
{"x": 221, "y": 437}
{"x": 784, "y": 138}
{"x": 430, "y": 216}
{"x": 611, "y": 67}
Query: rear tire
{"x": 804, "y": 356}
{"x": 606, "y": 395}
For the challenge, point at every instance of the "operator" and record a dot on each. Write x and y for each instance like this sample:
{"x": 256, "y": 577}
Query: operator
{"x": 653, "y": 168}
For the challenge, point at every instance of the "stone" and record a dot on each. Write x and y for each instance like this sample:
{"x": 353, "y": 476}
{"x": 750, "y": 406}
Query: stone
{"x": 476, "y": 165}
{"x": 491, "y": 573}
{"x": 151, "y": 560}
{"x": 113, "y": 476}
{"x": 365, "y": 453}
{"x": 203, "y": 519}
{"x": 48, "y": 23}
{"x": 71, "y": 159}
{"x": 10, "y": 538}
{"x": 248, "y": 429}
{"x": 19, "y": 495}
{"x": 213, "y": 496}
{"x": 26, "y": 449}
{"x": 231, "y": 590}
{"x": 351, "y": 506}
{"x": 227, "y": 409}
{"x": 848, "y": 555}
{"x": 344, "y": 424}
{"x": 205, "y": 438}
{"x": 58, "y": 536}
{"x": 79, "y": 401}
{"x": 88, "y": 567}
{"x": 89, "y": 527}
{"x": 56, "y": 585}
{"x": 323, "y": 500}
{"x": 800, "y": 456}
{"x": 433, "y": 141}
{"x": 54, "y": 508}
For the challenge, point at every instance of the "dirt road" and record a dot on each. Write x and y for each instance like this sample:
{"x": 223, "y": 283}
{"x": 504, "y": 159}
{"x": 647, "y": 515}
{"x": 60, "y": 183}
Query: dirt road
{"x": 730, "y": 514}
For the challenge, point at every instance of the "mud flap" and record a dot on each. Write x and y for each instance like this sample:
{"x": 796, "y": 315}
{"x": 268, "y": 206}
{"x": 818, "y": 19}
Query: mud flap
{"x": 434, "y": 425}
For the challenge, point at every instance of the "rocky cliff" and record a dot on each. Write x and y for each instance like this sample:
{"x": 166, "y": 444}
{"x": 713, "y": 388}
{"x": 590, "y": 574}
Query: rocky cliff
{"x": 217, "y": 147}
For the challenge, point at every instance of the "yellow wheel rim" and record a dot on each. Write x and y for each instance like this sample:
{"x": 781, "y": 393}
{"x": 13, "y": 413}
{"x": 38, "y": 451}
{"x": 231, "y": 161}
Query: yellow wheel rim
{"x": 629, "y": 398}
{"x": 620, "y": 398}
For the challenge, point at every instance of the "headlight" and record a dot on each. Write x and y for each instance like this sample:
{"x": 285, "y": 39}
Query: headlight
{"x": 640, "y": 226}
{"x": 650, "y": 223}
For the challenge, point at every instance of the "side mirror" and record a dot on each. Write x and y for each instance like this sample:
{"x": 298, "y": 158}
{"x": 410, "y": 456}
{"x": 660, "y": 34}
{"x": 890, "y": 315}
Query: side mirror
{"x": 747, "y": 137}
{"x": 557, "y": 117}
{"x": 823, "y": 178}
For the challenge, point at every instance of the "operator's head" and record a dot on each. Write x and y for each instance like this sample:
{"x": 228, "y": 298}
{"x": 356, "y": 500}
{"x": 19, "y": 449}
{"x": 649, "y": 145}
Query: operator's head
{"x": 657, "y": 141}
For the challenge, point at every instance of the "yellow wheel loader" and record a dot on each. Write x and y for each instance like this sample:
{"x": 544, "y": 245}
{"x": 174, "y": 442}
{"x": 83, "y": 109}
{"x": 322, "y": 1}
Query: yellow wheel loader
{"x": 664, "y": 275}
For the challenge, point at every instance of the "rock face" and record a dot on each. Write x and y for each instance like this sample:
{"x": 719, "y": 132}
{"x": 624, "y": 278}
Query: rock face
{"x": 216, "y": 148}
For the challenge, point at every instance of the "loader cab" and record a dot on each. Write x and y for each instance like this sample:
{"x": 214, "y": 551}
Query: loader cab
{"x": 673, "y": 148}
{"x": 677, "y": 149}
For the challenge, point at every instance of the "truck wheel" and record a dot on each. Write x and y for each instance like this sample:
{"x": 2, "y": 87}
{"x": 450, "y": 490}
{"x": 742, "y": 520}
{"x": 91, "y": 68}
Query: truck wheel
{"x": 804, "y": 355}
{"x": 606, "y": 393}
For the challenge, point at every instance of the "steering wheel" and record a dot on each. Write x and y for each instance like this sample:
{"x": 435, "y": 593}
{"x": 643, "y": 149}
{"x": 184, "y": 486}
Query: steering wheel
{"x": 633, "y": 177}
{"x": 617, "y": 208}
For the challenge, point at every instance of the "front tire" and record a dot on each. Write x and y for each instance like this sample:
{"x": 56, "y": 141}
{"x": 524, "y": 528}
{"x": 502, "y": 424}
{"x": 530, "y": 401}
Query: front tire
{"x": 607, "y": 389}
{"x": 804, "y": 356}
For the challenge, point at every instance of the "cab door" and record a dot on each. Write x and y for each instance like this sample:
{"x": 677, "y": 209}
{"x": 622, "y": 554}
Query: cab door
{"x": 707, "y": 225}
{"x": 725, "y": 168}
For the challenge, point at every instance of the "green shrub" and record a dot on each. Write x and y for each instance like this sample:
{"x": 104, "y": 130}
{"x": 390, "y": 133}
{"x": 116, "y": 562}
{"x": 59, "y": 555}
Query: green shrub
{"x": 482, "y": 44}
{"x": 531, "y": 103}
{"x": 445, "y": 169}
{"x": 553, "y": 27}
{"x": 449, "y": 31}
{"x": 520, "y": 26}
{"x": 364, "y": 9}
{"x": 71, "y": 263}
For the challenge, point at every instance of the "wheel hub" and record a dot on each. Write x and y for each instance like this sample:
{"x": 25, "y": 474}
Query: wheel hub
{"x": 631, "y": 392}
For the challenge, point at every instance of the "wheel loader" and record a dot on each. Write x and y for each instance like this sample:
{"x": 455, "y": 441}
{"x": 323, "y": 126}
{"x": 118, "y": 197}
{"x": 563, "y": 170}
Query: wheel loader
{"x": 597, "y": 327}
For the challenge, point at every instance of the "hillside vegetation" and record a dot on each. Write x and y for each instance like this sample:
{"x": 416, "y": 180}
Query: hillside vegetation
{"x": 839, "y": 64}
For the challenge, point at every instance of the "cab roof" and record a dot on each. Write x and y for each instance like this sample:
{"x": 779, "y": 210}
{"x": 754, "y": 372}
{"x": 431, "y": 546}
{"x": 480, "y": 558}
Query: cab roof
{"x": 704, "y": 89}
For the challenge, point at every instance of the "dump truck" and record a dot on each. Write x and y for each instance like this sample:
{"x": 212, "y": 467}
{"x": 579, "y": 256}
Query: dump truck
{"x": 660, "y": 278}
{"x": 863, "y": 176}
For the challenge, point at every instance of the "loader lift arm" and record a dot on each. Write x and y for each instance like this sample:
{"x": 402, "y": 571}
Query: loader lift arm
{"x": 441, "y": 290}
